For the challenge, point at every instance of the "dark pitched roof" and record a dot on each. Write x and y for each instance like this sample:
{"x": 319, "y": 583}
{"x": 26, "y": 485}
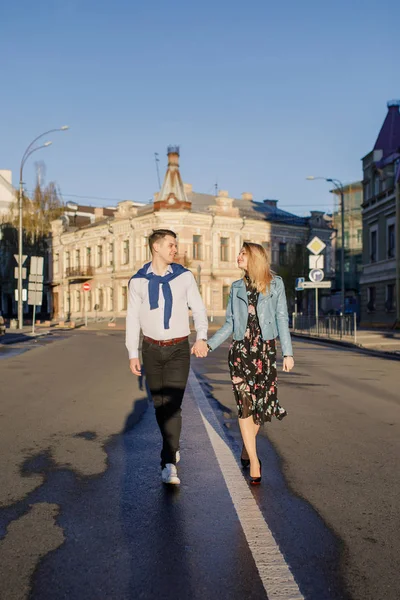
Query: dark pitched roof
{"x": 266, "y": 210}
{"x": 389, "y": 136}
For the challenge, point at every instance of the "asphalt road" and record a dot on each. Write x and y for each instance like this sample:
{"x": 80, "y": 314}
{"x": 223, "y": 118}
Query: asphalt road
{"x": 83, "y": 514}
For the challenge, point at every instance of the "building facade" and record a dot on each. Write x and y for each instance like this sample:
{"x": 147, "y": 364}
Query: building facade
{"x": 7, "y": 193}
{"x": 211, "y": 229}
{"x": 381, "y": 214}
{"x": 353, "y": 245}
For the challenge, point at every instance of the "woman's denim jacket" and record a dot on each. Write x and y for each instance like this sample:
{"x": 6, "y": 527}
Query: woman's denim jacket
{"x": 271, "y": 311}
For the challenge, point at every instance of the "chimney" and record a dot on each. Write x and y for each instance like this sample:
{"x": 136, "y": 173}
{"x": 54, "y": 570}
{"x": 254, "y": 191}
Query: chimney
{"x": 223, "y": 193}
{"x": 247, "y": 196}
{"x": 271, "y": 203}
{"x": 98, "y": 213}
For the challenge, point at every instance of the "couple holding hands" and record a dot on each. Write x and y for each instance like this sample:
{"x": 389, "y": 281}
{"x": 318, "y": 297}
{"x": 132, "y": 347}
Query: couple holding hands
{"x": 256, "y": 315}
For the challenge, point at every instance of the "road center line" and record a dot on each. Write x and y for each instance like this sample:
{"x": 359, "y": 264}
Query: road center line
{"x": 277, "y": 579}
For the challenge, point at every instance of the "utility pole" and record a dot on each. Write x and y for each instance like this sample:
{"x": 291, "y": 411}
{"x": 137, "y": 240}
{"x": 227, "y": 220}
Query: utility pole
{"x": 397, "y": 243}
{"x": 157, "y": 160}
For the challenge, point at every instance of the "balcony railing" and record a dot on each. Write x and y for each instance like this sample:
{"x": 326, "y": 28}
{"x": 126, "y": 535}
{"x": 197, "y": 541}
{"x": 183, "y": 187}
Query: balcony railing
{"x": 79, "y": 272}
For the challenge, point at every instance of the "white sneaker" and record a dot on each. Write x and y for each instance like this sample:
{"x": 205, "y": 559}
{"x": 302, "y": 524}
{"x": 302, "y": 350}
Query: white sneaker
{"x": 177, "y": 456}
{"x": 169, "y": 474}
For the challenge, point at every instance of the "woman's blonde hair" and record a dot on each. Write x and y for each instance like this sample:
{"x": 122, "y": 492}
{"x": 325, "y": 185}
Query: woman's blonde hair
{"x": 258, "y": 267}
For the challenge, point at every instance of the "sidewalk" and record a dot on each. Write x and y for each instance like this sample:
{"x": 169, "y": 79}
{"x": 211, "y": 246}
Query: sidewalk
{"x": 384, "y": 343}
{"x": 14, "y": 336}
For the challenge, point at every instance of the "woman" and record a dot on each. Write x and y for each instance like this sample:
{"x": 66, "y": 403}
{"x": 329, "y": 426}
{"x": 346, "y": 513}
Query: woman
{"x": 256, "y": 314}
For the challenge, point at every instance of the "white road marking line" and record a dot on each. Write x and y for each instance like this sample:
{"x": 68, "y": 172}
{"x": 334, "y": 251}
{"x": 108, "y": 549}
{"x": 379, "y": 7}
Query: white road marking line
{"x": 274, "y": 572}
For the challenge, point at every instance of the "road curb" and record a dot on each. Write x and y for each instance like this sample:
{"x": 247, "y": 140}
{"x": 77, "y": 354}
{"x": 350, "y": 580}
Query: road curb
{"x": 22, "y": 337}
{"x": 349, "y": 345}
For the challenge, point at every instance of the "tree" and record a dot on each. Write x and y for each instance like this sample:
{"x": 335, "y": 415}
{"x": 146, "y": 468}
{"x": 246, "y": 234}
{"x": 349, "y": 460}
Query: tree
{"x": 37, "y": 212}
{"x": 296, "y": 265}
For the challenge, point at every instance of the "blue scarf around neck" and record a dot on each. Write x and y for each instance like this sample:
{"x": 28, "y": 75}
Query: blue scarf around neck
{"x": 154, "y": 288}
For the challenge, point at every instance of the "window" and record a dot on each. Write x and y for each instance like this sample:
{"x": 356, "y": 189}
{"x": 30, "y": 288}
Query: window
{"x": 78, "y": 307}
{"x": 88, "y": 301}
{"x": 197, "y": 249}
{"x": 111, "y": 297}
{"x": 391, "y": 241}
{"x": 224, "y": 249}
{"x": 359, "y": 236}
{"x": 67, "y": 303}
{"x": 125, "y": 252}
{"x": 99, "y": 256}
{"x": 371, "y": 299}
{"x": 373, "y": 245}
{"x": 225, "y": 295}
{"x": 390, "y": 297}
{"x": 346, "y": 239}
{"x": 347, "y": 266}
{"x": 101, "y": 299}
{"x": 299, "y": 251}
{"x": 282, "y": 253}
{"x": 111, "y": 254}
{"x": 67, "y": 260}
{"x": 124, "y": 297}
{"x": 56, "y": 263}
{"x": 147, "y": 253}
{"x": 377, "y": 185}
{"x": 266, "y": 246}
{"x": 77, "y": 259}
{"x": 88, "y": 257}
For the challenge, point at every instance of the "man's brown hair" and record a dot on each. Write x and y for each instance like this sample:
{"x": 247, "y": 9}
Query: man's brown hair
{"x": 159, "y": 234}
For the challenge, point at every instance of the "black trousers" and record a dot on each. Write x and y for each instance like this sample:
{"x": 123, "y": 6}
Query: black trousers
{"x": 166, "y": 370}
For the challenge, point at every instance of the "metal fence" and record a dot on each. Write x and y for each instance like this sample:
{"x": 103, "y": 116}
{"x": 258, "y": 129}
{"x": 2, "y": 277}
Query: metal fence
{"x": 332, "y": 326}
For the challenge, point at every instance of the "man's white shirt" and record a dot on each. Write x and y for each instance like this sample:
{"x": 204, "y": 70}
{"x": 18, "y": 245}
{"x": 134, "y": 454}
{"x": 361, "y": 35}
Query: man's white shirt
{"x": 185, "y": 295}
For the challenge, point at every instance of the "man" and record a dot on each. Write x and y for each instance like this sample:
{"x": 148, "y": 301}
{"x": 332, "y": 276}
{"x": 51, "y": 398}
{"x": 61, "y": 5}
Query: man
{"x": 160, "y": 295}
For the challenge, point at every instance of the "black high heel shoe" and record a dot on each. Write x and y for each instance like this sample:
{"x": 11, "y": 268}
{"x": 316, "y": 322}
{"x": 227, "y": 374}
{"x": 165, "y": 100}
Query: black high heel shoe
{"x": 256, "y": 480}
{"x": 245, "y": 461}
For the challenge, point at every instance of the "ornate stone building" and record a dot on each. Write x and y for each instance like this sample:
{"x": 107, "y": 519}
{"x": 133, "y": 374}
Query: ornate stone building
{"x": 380, "y": 280}
{"x": 105, "y": 247}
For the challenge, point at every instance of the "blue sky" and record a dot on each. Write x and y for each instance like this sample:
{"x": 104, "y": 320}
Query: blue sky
{"x": 258, "y": 95}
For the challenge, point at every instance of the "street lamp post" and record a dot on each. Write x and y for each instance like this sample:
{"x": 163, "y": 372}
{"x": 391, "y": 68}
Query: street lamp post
{"x": 340, "y": 188}
{"x": 30, "y": 150}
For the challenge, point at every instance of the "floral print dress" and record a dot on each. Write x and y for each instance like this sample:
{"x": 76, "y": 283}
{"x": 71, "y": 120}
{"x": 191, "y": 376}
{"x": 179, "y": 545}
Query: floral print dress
{"x": 252, "y": 363}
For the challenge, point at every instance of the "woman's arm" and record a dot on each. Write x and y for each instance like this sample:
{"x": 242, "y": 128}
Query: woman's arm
{"x": 227, "y": 328}
{"x": 282, "y": 320}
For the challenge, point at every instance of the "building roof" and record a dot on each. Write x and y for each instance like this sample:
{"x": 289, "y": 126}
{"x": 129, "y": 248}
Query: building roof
{"x": 389, "y": 136}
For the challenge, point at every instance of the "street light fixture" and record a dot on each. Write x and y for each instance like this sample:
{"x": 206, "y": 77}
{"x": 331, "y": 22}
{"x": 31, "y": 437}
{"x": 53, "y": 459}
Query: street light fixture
{"x": 340, "y": 188}
{"x": 30, "y": 150}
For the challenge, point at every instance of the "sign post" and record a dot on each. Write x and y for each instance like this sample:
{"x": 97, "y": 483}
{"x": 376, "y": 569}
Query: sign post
{"x": 35, "y": 285}
{"x": 316, "y": 264}
{"x": 86, "y": 288}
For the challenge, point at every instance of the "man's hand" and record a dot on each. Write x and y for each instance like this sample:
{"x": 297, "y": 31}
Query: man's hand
{"x": 200, "y": 349}
{"x": 135, "y": 366}
{"x": 288, "y": 363}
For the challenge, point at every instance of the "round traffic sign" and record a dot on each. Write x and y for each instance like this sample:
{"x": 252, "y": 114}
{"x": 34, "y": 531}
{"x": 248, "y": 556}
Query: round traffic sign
{"x": 86, "y": 287}
{"x": 316, "y": 275}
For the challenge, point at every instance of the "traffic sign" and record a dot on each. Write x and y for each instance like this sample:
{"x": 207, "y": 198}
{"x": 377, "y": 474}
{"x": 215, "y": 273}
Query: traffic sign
{"x": 299, "y": 284}
{"x": 320, "y": 284}
{"x": 316, "y": 245}
{"x": 315, "y": 261}
{"x": 24, "y": 257}
{"x": 86, "y": 287}
{"x": 316, "y": 275}
{"x": 36, "y": 265}
{"x": 16, "y": 274}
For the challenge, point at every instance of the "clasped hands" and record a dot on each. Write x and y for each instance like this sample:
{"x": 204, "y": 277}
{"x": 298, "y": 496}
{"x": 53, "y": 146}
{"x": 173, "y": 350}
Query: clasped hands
{"x": 200, "y": 349}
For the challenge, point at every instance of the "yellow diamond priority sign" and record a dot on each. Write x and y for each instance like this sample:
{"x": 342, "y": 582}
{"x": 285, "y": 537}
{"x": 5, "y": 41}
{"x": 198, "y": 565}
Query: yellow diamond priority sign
{"x": 316, "y": 245}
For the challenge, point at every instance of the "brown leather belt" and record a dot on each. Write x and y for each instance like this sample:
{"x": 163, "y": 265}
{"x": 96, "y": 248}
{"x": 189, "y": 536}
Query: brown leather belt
{"x": 164, "y": 342}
